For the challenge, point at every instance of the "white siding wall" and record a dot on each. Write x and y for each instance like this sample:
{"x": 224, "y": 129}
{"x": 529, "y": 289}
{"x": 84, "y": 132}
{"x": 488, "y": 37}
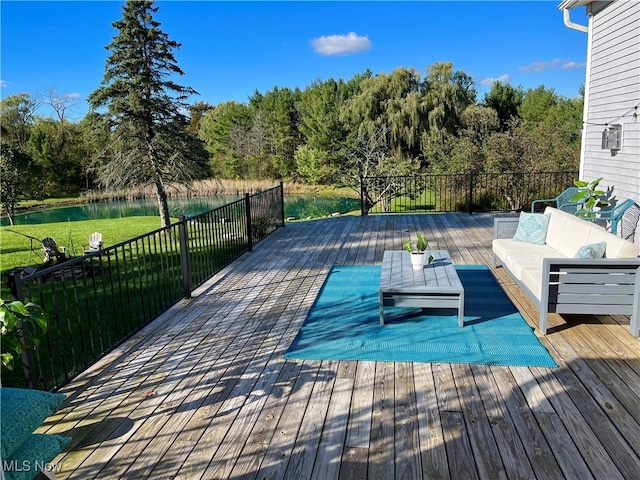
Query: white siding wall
{"x": 613, "y": 89}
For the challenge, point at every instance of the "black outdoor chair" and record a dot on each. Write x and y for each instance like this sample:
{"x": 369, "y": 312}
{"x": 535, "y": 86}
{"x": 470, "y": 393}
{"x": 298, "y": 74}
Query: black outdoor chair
{"x": 52, "y": 253}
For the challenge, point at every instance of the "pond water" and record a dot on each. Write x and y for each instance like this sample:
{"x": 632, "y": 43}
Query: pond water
{"x": 295, "y": 206}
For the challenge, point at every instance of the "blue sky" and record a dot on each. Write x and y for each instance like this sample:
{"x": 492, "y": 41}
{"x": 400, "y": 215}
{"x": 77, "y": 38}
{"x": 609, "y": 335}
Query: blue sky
{"x": 230, "y": 49}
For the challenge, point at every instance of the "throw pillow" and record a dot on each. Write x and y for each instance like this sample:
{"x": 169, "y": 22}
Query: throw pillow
{"x": 532, "y": 228}
{"x": 593, "y": 250}
{"x": 34, "y": 453}
{"x": 23, "y": 410}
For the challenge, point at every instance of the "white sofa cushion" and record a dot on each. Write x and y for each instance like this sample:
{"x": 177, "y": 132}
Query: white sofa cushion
{"x": 568, "y": 233}
{"x": 524, "y": 260}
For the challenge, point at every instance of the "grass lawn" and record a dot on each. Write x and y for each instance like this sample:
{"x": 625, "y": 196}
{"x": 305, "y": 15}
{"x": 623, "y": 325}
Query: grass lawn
{"x": 424, "y": 202}
{"x": 16, "y": 250}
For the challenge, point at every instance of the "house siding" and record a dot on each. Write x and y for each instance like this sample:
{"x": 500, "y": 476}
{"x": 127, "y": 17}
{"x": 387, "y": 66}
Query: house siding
{"x": 613, "y": 90}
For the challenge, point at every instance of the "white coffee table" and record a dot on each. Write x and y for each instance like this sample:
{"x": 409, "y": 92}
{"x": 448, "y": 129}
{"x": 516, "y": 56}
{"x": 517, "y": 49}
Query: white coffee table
{"x": 435, "y": 286}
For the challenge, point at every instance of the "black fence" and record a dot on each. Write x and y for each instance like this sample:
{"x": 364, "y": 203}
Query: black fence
{"x": 486, "y": 192}
{"x": 97, "y": 301}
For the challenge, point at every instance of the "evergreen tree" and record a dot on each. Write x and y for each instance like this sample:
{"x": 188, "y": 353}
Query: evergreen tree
{"x": 505, "y": 100}
{"x": 224, "y": 130}
{"x": 319, "y": 106}
{"x": 196, "y": 112}
{"x": 536, "y": 104}
{"x": 149, "y": 140}
{"x": 279, "y": 113}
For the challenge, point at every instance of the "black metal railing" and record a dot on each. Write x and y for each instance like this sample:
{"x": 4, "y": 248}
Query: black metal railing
{"x": 460, "y": 192}
{"x": 97, "y": 301}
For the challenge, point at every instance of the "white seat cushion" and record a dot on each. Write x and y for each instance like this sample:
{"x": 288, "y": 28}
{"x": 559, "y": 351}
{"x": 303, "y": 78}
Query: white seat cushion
{"x": 524, "y": 260}
{"x": 568, "y": 233}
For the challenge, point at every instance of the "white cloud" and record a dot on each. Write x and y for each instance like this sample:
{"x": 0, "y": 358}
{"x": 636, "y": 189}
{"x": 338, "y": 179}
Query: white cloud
{"x": 4, "y": 84}
{"x": 488, "y": 82}
{"x": 537, "y": 67}
{"x": 571, "y": 65}
{"x": 72, "y": 95}
{"x": 340, "y": 44}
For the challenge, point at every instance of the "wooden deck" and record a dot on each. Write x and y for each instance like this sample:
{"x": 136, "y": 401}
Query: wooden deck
{"x": 204, "y": 391}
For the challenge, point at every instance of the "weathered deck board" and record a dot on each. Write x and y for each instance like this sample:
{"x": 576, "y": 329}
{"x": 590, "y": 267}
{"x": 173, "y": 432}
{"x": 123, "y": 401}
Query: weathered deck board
{"x": 204, "y": 391}
{"x": 539, "y": 453}
{"x": 483, "y": 443}
{"x": 433, "y": 452}
{"x": 512, "y": 452}
{"x": 407, "y": 443}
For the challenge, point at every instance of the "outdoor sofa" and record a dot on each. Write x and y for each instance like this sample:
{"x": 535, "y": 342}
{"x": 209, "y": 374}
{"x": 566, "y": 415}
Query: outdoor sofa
{"x": 568, "y": 265}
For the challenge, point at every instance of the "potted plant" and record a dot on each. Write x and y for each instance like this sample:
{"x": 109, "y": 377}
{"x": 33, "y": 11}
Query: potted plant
{"x": 417, "y": 251}
{"x": 593, "y": 198}
{"x": 14, "y": 317}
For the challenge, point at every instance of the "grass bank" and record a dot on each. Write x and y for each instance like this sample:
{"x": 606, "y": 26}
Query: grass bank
{"x": 18, "y": 250}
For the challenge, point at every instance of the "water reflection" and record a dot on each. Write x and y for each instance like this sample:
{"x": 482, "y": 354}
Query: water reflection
{"x": 295, "y": 206}
{"x": 121, "y": 209}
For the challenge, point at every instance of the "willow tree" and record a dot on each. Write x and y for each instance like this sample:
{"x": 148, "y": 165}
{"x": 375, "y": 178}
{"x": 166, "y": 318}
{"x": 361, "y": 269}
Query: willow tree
{"x": 447, "y": 93}
{"x": 390, "y": 103}
{"x": 149, "y": 143}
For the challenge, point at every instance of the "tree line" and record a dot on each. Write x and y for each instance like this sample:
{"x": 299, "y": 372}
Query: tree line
{"x": 330, "y": 132}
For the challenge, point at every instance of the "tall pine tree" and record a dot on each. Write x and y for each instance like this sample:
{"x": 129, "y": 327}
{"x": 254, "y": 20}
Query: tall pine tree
{"x": 149, "y": 143}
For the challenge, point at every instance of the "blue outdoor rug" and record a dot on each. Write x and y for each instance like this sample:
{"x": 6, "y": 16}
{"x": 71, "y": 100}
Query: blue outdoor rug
{"x": 344, "y": 324}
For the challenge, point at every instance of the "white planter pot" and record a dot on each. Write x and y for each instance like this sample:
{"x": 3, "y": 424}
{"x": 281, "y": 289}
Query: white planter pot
{"x": 417, "y": 260}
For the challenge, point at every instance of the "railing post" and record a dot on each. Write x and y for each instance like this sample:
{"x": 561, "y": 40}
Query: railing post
{"x": 363, "y": 209}
{"x": 247, "y": 203}
{"x": 26, "y": 356}
{"x": 282, "y": 200}
{"x": 470, "y": 199}
{"x": 184, "y": 255}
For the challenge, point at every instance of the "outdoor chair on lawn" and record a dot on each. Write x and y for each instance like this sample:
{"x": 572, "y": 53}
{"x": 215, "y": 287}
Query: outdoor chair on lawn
{"x": 53, "y": 254}
{"x": 95, "y": 243}
{"x": 563, "y": 201}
